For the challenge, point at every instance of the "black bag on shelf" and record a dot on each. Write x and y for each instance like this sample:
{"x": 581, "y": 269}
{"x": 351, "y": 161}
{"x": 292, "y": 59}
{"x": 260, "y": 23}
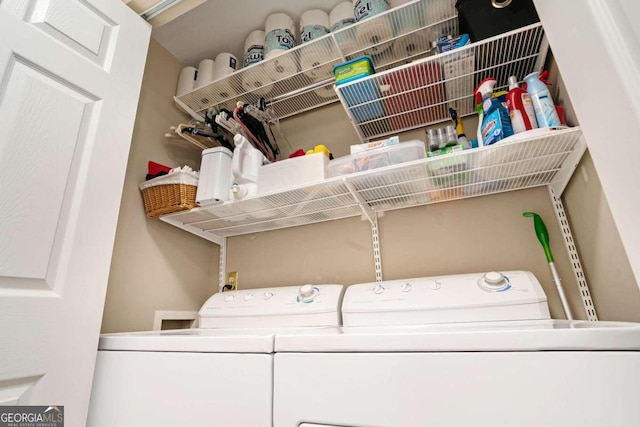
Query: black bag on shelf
{"x": 482, "y": 19}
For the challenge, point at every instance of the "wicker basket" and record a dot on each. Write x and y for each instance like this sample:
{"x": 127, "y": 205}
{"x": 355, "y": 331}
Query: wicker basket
{"x": 169, "y": 193}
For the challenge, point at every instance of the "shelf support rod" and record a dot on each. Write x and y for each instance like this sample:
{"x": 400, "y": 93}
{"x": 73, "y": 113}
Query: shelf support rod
{"x": 563, "y": 176}
{"x": 188, "y": 110}
{"x": 222, "y": 264}
{"x": 377, "y": 259}
{"x": 364, "y": 206}
{"x": 542, "y": 54}
{"x": 373, "y": 219}
{"x": 338, "y": 47}
{"x": 574, "y": 258}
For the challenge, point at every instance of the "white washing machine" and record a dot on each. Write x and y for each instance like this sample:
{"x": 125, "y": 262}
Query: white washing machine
{"x": 456, "y": 351}
{"x": 220, "y": 374}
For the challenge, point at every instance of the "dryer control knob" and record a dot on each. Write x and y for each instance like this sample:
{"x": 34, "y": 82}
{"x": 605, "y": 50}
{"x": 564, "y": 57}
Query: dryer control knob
{"x": 229, "y": 298}
{"x": 495, "y": 280}
{"x": 248, "y": 296}
{"x": 268, "y": 295}
{"x": 406, "y": 287}
{"x": 307, "y": 293}
{"x": 378, "y": 289}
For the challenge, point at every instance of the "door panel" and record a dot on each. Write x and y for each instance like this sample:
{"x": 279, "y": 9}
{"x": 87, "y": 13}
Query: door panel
{"x": 77, "y": 25}
{"x": 38, "y": 167}
{"x": 12, "y": 390}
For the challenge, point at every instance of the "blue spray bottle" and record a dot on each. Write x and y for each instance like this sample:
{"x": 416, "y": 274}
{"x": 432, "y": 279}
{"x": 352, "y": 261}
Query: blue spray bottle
{"x": 496, "y": 123}
{"x": 542, "y": 102}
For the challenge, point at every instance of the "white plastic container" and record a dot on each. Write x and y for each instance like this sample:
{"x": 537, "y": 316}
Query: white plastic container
{"x": 215, "y": 176}
{"x": 292, "y": 172}
{"x": 377, "y": 158}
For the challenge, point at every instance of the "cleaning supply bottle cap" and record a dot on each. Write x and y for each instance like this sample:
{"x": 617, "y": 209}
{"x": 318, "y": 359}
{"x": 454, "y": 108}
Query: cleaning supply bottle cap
{"x": 534, "y": 84}
{"x": 513, "y": 82}
{"x": 485, "y": 88}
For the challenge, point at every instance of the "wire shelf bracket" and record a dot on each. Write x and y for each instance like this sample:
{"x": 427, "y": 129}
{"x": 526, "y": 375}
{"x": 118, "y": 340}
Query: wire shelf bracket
{"x": 574, "y": 258}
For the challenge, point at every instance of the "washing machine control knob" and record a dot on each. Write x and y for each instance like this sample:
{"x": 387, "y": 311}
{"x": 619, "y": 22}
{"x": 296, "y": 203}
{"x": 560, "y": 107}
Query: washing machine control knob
{"x": 229, "y": 298}
{"x": 248, "y": 296}
{"x": 494, "y": 280}
{"x": 306, "y": 293}
{"x": 378, "y": 289}
{"x": 406, "y": 287}
{"x": 268, "y": 295}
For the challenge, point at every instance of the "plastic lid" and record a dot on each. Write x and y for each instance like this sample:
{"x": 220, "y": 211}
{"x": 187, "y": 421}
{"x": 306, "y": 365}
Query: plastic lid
{"x": 224, "y": 150}
{"x": 534, "y": 84}
{"x": 366, "y": 58}
{"x": 513, "y": 82}
{"x": 485, "y": 88}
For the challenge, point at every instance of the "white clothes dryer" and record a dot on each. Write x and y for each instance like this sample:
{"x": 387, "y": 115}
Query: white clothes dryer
{"x": 220, "y": 374}
{"x": 457, "y": 351}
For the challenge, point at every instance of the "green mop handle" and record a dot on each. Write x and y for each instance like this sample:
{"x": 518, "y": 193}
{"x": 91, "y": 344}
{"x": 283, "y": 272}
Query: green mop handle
{"x": 543, "y": 238}
{"x": 541, "y": 232}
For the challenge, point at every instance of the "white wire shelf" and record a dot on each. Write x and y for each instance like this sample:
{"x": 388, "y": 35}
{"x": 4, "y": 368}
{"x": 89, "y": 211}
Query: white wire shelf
{"x": 302, "y": 78}
{"x": 420, "y": 93}
{"x": 536, "y": 161}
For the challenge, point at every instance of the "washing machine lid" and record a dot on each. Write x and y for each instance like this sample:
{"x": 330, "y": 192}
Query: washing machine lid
{"x": 535, "y": 335}
{"x": 239, "y": 340}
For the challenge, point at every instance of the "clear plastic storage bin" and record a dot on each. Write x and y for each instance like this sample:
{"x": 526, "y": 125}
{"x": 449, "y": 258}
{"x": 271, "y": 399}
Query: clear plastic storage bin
{"x": 377, "y": 158}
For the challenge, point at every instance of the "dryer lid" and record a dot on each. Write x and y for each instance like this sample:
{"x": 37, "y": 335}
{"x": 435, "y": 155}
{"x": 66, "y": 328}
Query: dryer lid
{"x": 534, "y": 335}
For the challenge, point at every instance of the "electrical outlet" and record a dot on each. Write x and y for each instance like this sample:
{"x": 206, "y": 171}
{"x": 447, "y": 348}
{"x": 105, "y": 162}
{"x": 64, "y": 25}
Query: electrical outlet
{"x": 232, "y": 280}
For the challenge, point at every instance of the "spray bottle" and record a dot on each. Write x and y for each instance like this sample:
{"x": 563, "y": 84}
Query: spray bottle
{"x": 542, "y": 101}
{"x": 521, "y": 112}
{"x": 457, "y": 122}
{"x": 496, "y": 124}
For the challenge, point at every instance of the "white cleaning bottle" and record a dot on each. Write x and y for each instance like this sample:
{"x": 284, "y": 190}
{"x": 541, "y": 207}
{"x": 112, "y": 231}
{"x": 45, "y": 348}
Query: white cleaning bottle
{"x": 542, "y": 102}
{"x": 245, "y": 163}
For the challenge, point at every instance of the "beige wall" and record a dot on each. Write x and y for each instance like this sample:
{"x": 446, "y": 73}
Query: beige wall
{"x": 159, "y": 267}
{"x": 605, "y": 263}
{"x": 456, "y": 237}
{"x": 155, "y": 266}
{"x": 465, "y": 236}
{"x": 479, "y": 234}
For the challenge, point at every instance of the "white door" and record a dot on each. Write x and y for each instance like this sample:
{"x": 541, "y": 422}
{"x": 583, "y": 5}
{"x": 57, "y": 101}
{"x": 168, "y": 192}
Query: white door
{"x": 70, "y": 75}
{"x": 597, "y": 46}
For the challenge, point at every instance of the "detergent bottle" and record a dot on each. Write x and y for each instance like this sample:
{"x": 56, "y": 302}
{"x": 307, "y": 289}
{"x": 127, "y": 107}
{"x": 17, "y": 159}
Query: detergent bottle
{"x": 496, "y": 124}
{"x": 521, "y": 112}
{"x": 542, "y": 102}
{"x": 245, "y": 163}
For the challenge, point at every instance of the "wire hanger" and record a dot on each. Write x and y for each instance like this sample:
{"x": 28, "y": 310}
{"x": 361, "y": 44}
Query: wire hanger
{"x": 194, "y": 133}
{"x": 255, "y": 131}
{"x": 178, "y": 130}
